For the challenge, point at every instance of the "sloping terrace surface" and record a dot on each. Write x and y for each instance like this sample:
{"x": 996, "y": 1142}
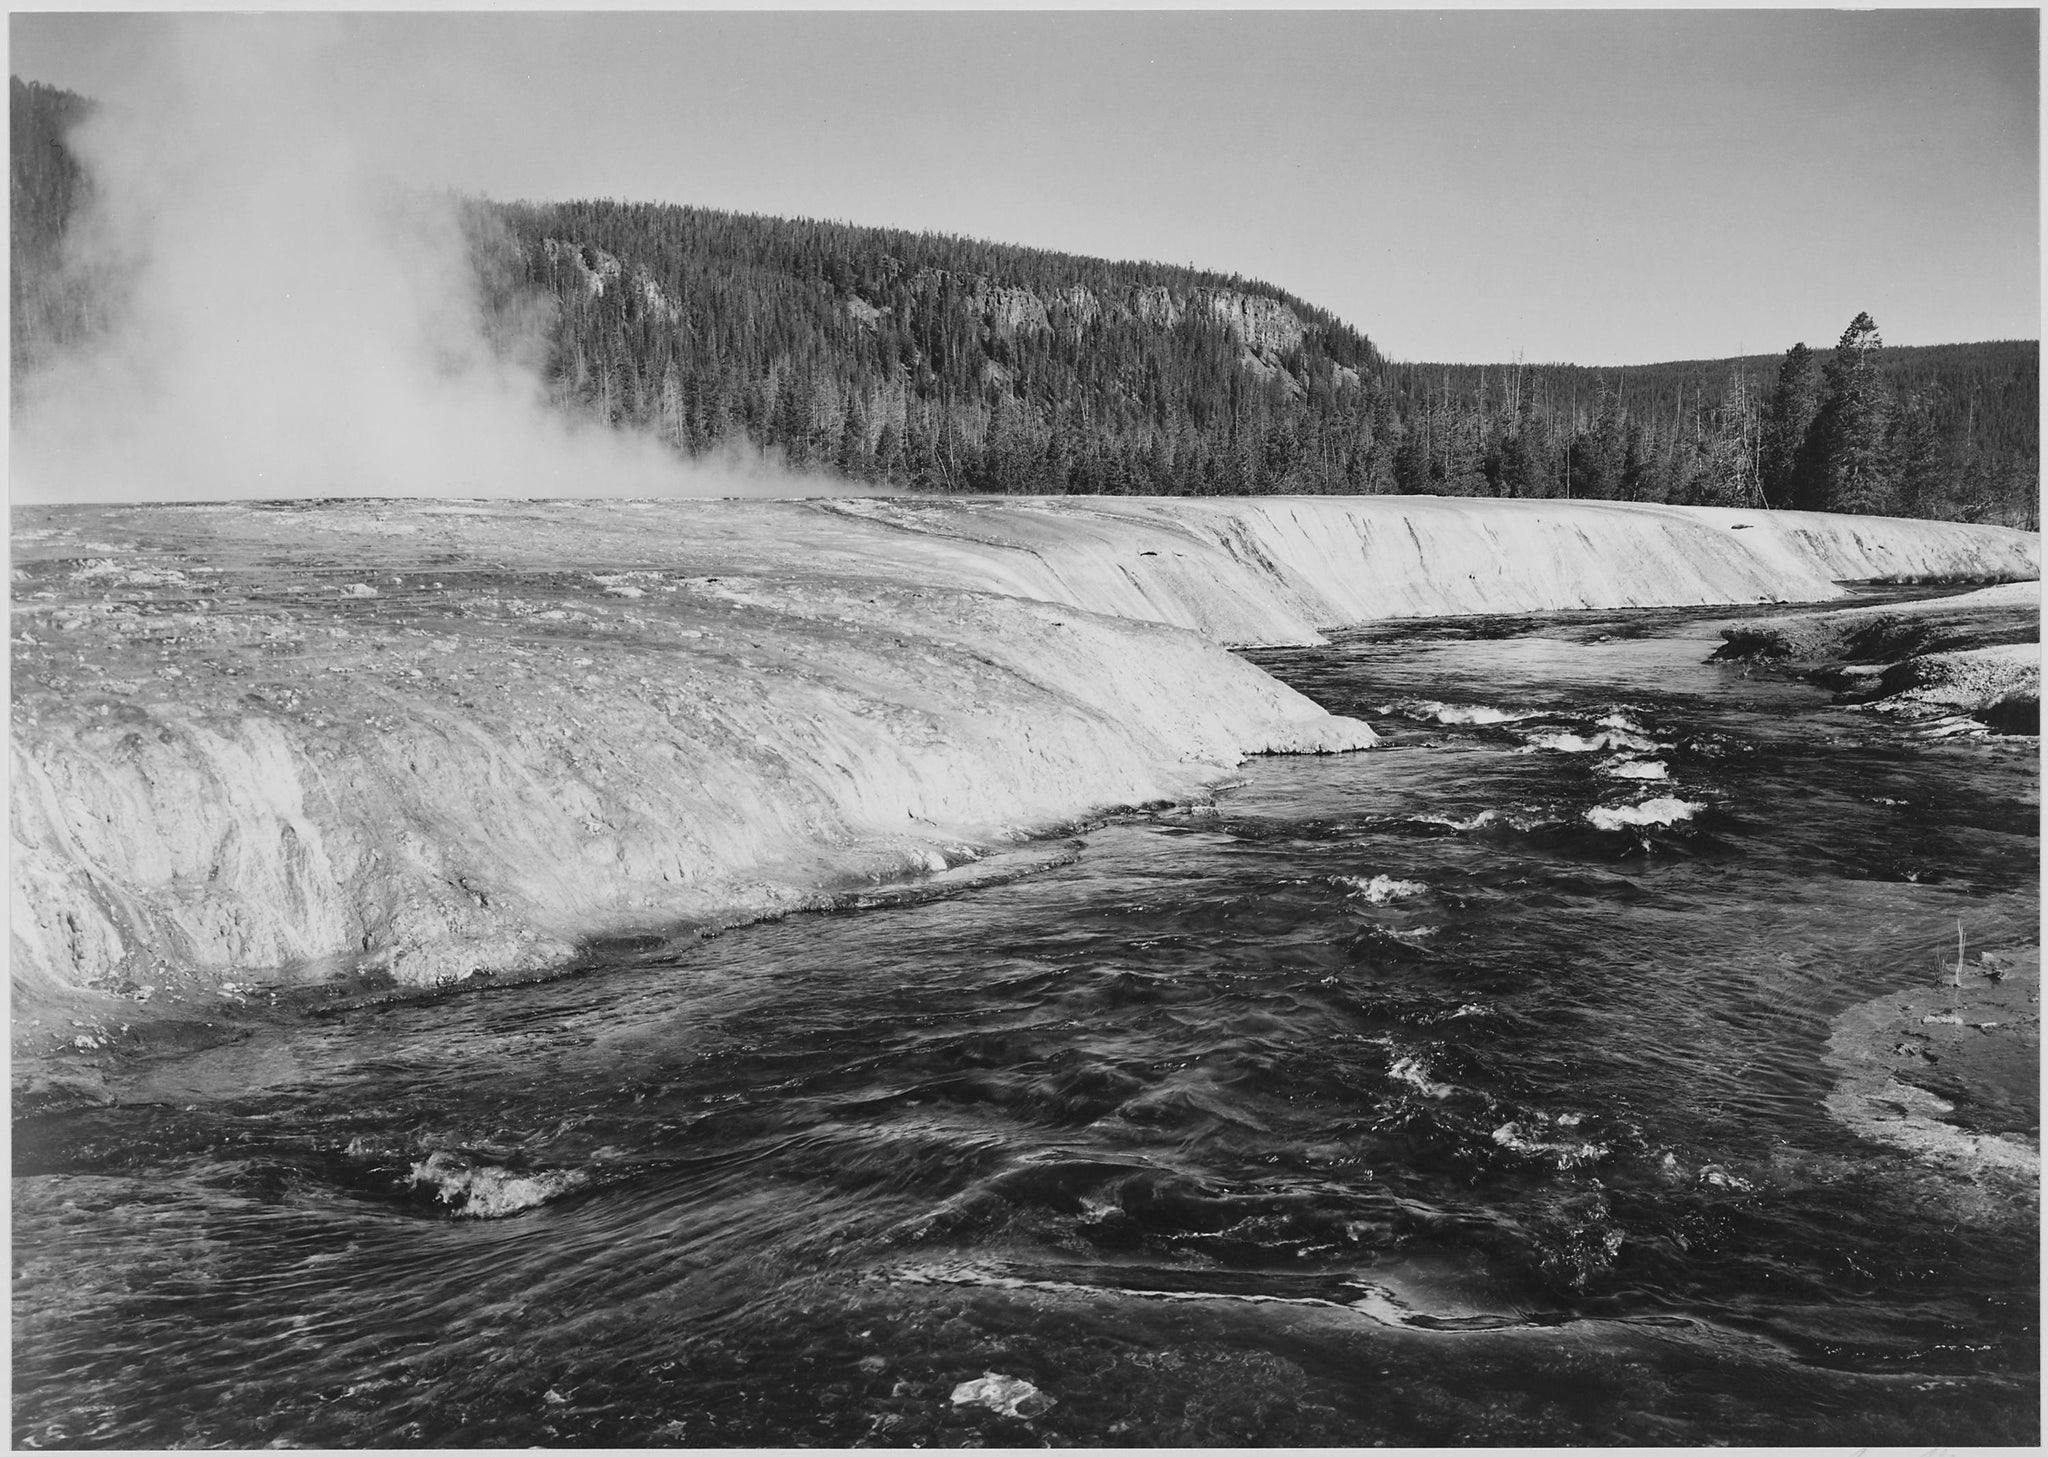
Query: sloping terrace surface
{"x": 267, "y": 743}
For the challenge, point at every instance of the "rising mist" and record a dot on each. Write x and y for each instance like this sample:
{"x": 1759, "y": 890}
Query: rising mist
{"x": 284, "y": 319}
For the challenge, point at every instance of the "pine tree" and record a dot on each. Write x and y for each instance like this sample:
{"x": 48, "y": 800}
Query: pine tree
{"x": 1637, "y": 464}
{"x": 1788, "y": 417}
{"x": 1848, "y": 436}
{"x": 1523, "y": 467}
{"x": 1601, "y": 456}
{"x": 1918, "y": 464}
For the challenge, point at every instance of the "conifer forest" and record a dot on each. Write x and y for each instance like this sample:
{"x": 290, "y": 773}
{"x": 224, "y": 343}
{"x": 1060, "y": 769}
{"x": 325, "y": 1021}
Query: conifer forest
{"x": 924, "y": 362}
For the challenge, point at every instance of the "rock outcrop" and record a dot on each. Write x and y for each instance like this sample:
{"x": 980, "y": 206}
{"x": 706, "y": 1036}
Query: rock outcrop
{"x": 601, "y": 271}
{"x": 1264, "y": 325}
{"x": 1264, "y": 329}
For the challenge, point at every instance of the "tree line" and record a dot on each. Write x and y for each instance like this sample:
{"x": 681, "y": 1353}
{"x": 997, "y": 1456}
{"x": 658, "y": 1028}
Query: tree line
{"x": 937, "y": 363}
{"x": 889, "y": 358}
{"x": 1948, "y": 431}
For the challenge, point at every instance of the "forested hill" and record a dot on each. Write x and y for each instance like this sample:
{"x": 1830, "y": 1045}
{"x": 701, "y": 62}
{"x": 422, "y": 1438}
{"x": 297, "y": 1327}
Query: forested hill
{"x": 942, "y": 363}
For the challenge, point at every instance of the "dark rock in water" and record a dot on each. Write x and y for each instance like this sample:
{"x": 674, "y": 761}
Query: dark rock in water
{"x": 1854, "y": 682}
{"x": 2018, "y": 714}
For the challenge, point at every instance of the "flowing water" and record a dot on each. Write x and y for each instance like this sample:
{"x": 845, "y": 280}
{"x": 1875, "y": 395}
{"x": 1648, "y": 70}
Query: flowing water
{"x": 1464, "y": 1091}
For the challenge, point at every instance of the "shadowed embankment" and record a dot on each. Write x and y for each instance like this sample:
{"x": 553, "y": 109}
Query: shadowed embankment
{"x": 1977, "y": 655}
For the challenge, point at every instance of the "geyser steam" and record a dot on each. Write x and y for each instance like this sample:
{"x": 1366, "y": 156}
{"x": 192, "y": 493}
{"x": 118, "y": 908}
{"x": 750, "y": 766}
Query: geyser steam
{"x": 286, "y": 320}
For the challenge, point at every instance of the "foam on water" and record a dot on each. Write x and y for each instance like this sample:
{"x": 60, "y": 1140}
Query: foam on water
{"x": 1637, "y": 769}
{"x": 1526, "y": 1136}
{"x": 1564, "y": 741}
{"x": 1381, "y": 889}
{"x": 1522, "y": 820}
{"x": 1664, "y": 811}
{"x": 1429, "y": 710}
{"x": 1478, "y": 821}
{"x": 486, "y": 1191}
{"x": 1411, "y": 933}
{"x": 1414, "y": 1071}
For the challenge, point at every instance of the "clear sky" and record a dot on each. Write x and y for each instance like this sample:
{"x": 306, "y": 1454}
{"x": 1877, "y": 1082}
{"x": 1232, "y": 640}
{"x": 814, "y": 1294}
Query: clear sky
{"x": 1602, "y": 187}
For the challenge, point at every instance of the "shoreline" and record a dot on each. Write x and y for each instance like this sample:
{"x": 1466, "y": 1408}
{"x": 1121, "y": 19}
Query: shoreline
{"x": 1950, "y": 1075}
{"x": 57, "y": 1075}
{"x": 277, "y": 744}
{"x": 1975, "y": 655}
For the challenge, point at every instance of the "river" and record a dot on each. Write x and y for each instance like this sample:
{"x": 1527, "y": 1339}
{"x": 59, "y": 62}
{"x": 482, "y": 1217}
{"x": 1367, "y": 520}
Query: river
{"x": 1468, "y": 1090}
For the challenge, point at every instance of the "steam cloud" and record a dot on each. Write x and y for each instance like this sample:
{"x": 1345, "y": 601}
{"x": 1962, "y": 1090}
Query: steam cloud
{"x": 288, "y": 320}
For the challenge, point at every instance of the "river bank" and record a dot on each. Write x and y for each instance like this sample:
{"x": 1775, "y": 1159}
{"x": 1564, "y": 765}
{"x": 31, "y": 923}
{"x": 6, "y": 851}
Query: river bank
{"x": 1422, "y": 1096}
{"x": 1973, "y": 656}
{"x": 278, "y": 783}
{"x": 1949, "y": 1071}
{"x": 284, "y": 744}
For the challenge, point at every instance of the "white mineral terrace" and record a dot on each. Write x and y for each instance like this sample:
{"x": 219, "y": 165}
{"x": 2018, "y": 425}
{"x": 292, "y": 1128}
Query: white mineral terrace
{"x": 276, "y": 743}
